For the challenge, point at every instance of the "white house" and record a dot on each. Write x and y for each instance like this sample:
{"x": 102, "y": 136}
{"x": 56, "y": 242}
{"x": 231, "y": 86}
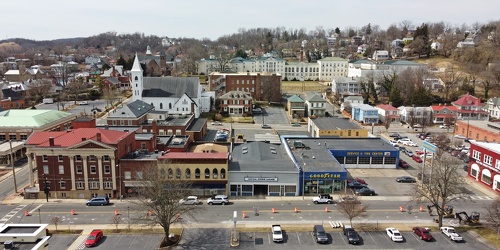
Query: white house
{"x": 351, "y": 101}
{"x": 380, "y": 55}
{"x": 407, "y": 113}
{"x": 493, "y": 107}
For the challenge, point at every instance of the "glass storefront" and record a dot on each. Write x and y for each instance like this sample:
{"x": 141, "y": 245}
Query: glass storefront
{"x": 323, "y": 186}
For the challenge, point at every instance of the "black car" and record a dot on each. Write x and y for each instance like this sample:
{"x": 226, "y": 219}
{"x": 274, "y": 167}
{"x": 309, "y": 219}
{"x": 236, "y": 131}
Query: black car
{"x": 407, "y": 179}
{"x": 352, "y": 235}
{"x": 365, "y": 192}
{"x": 356, "y": 185}
{"x": 394, "y": 135}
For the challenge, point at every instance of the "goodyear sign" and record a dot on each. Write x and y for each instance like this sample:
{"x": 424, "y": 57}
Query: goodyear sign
{"x": 325, "y": 175}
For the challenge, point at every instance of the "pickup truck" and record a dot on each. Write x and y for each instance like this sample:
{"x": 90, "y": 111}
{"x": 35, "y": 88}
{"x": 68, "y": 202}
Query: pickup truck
{"x": 323, "y": 198}
{"x": 277, "y": 233}
{"x": 451, "y": 233}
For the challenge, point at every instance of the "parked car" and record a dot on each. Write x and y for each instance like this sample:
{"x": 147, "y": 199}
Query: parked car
{"x": 444, "y": 126}
{"x": 423, "y": 233}
{"x": 218, "y": 199}
{"x": 323, "y": 198}
{"x": 411, "y": 144}
{"x": 267, "y": 126}
{"x": 295, "y": 125}
{"x": 358, "y": 180}
{"x": 403, "y": 164}
{"x": 417, "y": 158}
{"x": 217, "y": 123}
{"x": 351, "y": 234}
{"x": 83, "y": 103}
{"x": 98, "y": 201}
{"x": 417, "y": 126}
{"x": 419, "y": 152}
{"x": 94, "y": 237}
{"x": 190, "y": 200}
{"x": 407, "y": 179}
{"x": 365, "y": 192}
{"x": 394, "y": 234}
{"x": 402, "y": 140}
{"x": 320, "y": 234}
{"x": 394, "y": 135}
{"x": 356, "y": 185}
{"x": 409, "y": 153}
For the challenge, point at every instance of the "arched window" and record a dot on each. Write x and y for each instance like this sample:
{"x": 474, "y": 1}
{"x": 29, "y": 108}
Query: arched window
{"x": 169, "y": 105}
{"x": 215, "y": 173}
{"x": 178, "y": 173}
{"x": 152, "y": 104}
{"x": 207, "y": 173}
{"x": 162, "y": 173}
{"x": 170, "y": 173}
{"x": 136, "y": 78}
{"x": 188, "y": 173}
{"x": 197, "y": 173}
{"x": 161, "y": 105}
{"x": 222, "y": 173}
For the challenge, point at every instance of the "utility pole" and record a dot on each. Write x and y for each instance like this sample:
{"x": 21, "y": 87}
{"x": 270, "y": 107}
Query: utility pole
{"x": 12, "y": 165}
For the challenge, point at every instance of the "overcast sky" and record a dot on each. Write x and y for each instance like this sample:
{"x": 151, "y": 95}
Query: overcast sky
{"x": 54, "y": 19}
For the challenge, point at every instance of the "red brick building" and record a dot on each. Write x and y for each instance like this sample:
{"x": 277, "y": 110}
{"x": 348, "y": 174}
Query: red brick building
{"x": 79, "y": 163}
{"x": 484, "y": 167}
{"x": 478, "y": 130}
{"x": 261, "y": 86}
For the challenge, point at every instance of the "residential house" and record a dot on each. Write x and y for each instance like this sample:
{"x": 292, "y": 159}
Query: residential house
{"x": 484, "y": 168}
{"x": 335, "y": 127}
{"x": 81, "y": 163}
{"x": 380, "y": 55}
{"x": 236, "y": 103}
{"x": 470, "y": 108}
{"x": 316, "y": 106}
{"x": 443, "y": 114}
{"x": 365, "y": 114}
{"x": 415, "y": 115}
{"x": 9, "y": 99}
{"x": 346, "y": 86}
{"x": 350, "y": 102}
{"x": 493, "y": 108}
{"x": 130, "y": 114}
{"x": 177, "y": 95}
{"x": 296, "y": 106}
{"x": 388, "y": 113}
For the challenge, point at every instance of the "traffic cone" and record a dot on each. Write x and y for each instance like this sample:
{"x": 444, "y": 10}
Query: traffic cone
{"x": 421, "y": 208}
{"x": 401, "y": 208}
{"x": 116, "y": 212}
{"x": 73, "y": 212}
{"x": 26, "y": 213}
{"x": 296, "y": 210}
{"x": 326, "y": 209}
{"x": 150, "y": 212}
{"x": 274, "y": 210}
{"x": 178, "y": 217}
{"x": 244, "y": 215}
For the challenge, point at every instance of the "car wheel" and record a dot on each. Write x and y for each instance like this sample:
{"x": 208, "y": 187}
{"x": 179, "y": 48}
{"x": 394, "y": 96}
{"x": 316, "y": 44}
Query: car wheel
{"x": 102, "y": 204}
{"x": 210, "y": 203}
{"x": 223, "y": 203}
{"x": 315, "y": 202}
{"x": 328, "y": 202}
{"x": 371, "y": 194}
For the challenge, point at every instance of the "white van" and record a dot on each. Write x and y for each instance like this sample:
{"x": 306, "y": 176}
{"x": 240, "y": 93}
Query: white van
{"x": 48, "y": 101}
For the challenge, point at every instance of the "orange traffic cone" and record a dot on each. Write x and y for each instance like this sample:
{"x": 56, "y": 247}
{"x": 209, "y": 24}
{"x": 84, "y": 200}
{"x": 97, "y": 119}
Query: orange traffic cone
{"x": 421, "y": 208}
{"x": 116, "y": 212}
{"x": 244, "y": 215}
{"x": 26, "y": 213}
{"x": 296, "y": 210}
{"x": 73, "y": 212}
{"x": 178, "y": 217}
{"x": 326, "y": 209}
{"x": 401, "y": 209}
{"x": 150, "y": 212}
{"x": 274, "y": 210}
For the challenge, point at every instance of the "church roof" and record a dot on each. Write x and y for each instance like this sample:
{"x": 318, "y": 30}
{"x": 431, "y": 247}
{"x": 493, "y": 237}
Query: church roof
{"x": 171, "y": 86}
{"x": 137, "y": 65}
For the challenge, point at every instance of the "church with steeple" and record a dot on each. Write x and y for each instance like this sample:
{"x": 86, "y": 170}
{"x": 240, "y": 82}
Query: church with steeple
{"x": 177, "y": 95}
{"x": 157, "y": 64}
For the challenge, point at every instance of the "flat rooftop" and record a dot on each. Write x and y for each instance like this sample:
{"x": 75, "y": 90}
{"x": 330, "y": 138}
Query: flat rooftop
{"x": 261, "y": 157}
{"x": 333, "y": 123}
{"x": 316, "y": 152}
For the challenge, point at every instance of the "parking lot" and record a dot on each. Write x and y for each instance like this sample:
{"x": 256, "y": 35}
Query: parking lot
{"x": 370, "y": 240}
{"x": 272, "y": 115}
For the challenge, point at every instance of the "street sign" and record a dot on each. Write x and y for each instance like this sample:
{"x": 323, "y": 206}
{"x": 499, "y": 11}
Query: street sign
{"x": 429, "y": 147}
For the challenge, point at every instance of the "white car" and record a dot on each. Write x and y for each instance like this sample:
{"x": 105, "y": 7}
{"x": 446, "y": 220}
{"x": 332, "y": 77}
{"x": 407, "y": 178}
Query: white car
{"x": 84, "y": 103}
{"x": 444, "y": 126}
{"x": 394, "y": 234}
{"x": 190, "y": 200}
{"x": 402, "y": 141}
{"x": 411, "y": 144}
{"x": 451, "y": 233}
{"x": 217, "y": 123}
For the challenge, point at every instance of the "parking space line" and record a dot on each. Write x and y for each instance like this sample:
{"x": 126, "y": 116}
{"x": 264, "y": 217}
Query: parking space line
{"x": 415, "y": 236}
{"x": 268, "y": 239}
{"x": 343, "y": 238}
{"x": 298, "y": 237}
{"x": 254, "y": 239}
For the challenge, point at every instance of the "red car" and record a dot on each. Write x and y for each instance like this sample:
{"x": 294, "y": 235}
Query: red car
{"x": 403, "y": 164}
{"x": 419, "y": 152}
{"x": 94, "y": 238}
{"x": 417, "y": 158}
{"x": 357, "y": 180}
{"x": 423, "y": 233}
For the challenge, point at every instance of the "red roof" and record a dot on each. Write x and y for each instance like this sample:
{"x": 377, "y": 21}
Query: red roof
{"x": 191, "y": 155}
{"x": 72, "y": 137}
{"x": 439, "y": 108}
{"x": 387, "y": 107}
{"x": 468, "y": 100}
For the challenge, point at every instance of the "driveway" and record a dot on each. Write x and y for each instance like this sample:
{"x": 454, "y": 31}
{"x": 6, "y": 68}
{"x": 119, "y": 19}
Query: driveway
{"x": 272, "y": 115}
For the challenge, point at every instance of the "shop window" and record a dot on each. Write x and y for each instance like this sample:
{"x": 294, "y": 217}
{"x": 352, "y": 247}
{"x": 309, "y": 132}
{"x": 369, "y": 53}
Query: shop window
{"x": 351, "y": 160}
{"x": 486, "y": 179}
{"x": 222, "y": 173}
{"x": 390, "y": 160}
{"x": 197, "y": 173}
{"x": 378, "y": 160}
{"x": 207, "y": 173}
{"x": 474, "y": 172}
{"x": 215, "y": 173}
{"x": 364, "y": 160}
{"x": 188, "y": 173}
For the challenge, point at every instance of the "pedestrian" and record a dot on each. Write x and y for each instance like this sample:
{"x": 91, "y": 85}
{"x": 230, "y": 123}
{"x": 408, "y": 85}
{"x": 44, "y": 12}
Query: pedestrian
{"x": 409, "y": 208}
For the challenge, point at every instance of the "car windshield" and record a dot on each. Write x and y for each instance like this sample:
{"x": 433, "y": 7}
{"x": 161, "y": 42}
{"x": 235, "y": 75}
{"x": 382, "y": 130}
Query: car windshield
{"x": 277, "y": 232}
{"x": 397, "y": 234}
{"x": 451, "y": 231}
{"x": 426, "y": 234}
{"x": 91, "y": 237}
{"x": 321, "y": 233}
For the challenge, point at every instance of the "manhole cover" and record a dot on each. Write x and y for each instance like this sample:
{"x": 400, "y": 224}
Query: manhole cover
{"x": 259, "y": 241}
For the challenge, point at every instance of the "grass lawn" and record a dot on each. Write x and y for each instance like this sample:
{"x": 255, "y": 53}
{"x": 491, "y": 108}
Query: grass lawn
{"x": 296, "y": 87}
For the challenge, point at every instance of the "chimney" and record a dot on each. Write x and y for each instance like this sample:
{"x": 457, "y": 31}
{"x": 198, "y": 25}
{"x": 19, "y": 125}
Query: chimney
{"x": 51, "y": 141}
{"x": 98, "y": 136}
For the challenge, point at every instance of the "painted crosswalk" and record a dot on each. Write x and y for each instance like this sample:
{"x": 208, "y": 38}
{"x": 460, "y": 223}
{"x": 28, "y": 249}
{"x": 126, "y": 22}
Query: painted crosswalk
{"x": 476, "y": 197}
{"x": 12, "y": 213}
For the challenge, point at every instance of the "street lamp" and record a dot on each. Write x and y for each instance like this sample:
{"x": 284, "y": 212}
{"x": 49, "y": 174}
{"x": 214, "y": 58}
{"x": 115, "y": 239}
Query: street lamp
{"x": 235, "y": 215}
{"x": 128, "y": 215}
{"x": 45, "y": 188}
{"x": 39, "y": 217}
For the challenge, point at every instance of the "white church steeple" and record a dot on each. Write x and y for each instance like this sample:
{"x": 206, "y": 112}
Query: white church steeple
{"x": 148, "y": 51}
{"x": 137, "y": 80}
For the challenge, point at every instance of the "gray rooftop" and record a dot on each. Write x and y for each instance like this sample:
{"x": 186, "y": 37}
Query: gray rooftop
{"x": 260, "y": 157}
{"x": 333, "y": 123}
{"x": 197, "y": 124}
{"x": 135, "y": 109}
{"x": 317, "y": 156}
{"x": 171, "y": 86}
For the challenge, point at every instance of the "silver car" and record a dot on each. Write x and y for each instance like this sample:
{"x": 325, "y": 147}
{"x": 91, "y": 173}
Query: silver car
{"x": 218, "y": 199}
{"x": 190, "y": 200}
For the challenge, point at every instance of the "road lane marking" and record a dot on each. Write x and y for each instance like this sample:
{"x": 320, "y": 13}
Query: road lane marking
{"x": 36, "y": 208}
{"x": 12, "y": 213}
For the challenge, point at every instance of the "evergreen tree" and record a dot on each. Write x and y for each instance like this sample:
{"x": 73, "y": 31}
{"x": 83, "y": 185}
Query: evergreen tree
{"x": 395, "y": 97}
{"x": 337, "y": 30}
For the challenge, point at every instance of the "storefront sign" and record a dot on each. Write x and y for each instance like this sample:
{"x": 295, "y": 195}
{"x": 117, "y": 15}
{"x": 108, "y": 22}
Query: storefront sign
{"x": 261, "y": 178}
{"x": 347, "y": 153}
{"x": 325, "y": 175}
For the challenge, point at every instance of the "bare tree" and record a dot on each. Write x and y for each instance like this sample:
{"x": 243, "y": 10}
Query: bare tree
{"x": 493, "y": 214}
{"x": 73, "y": 89}
{"x": 351, "y": 208}
{"x": 444, "y": 185}
{"x": 56, "y": 221}
{"x": 387, "y": 123}
{"x": 38, "y": 90}
{"x": 115, "y": 220}
{"x": 160, "y": 193}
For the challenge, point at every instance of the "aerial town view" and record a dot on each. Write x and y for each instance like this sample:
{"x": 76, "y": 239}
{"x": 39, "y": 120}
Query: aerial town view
{"x": 275, "y": 125}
